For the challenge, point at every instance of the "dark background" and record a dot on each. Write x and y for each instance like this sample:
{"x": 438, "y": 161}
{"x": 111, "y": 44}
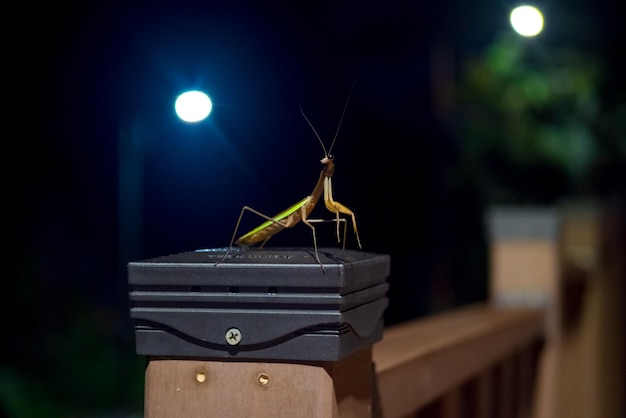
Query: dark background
{"x": 83, "y": 76}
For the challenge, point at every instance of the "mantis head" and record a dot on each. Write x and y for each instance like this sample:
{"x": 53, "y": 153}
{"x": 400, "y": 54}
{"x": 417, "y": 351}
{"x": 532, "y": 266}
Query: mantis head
{"x": 329, "y": 166}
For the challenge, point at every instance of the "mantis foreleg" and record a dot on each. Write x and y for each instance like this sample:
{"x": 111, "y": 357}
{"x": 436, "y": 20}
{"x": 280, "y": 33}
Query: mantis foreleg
{"x": 336, "y": 207}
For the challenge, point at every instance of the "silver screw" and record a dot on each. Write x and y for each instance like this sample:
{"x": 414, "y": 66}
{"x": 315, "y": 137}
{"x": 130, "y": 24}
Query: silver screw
{"x": 233, "y": 336}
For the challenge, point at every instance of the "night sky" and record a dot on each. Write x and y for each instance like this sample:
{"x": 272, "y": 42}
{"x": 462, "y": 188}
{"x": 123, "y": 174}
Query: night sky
{"x": 85, "y": 75}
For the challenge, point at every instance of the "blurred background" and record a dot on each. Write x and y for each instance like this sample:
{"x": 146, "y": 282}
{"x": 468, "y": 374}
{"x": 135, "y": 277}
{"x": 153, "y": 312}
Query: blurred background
{"x": 452, "y": 112}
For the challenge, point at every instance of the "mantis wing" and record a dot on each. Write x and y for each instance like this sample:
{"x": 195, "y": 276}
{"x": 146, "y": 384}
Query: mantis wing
{"x": 285, "y": 219}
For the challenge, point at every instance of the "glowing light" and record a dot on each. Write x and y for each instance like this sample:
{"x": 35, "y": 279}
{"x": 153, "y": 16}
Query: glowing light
{"x": 527, "y": 20}
{"x": 193, "y": 106}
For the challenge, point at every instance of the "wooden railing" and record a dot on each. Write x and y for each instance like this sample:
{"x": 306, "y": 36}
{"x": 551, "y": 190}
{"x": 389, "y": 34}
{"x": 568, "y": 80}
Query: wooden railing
{"x": 477, "y": 361}
{"x": 526, "y": 352}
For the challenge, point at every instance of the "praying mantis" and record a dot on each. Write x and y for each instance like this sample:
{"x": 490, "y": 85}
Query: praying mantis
{"x": 300, "y": 211}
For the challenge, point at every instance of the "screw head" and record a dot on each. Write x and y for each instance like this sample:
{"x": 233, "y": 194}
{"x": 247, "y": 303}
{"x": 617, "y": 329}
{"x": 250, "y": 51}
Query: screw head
{"x": 233, "y": 336}
{"x": 263, "y": 379}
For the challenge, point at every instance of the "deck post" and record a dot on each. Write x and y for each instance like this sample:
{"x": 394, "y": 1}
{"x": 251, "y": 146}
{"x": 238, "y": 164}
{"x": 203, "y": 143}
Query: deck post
{"x": 265, "y": 334}
{"x": 205, "y": 388}
{"x": 525, "y": 272}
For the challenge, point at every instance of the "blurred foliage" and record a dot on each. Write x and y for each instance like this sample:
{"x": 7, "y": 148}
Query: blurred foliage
{"x": 68, "y": 357}
{"x": 535, "y": 124}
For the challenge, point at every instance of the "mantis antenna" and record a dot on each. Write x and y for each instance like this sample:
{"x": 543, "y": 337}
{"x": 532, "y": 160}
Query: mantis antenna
{"x": 345, "y": 106}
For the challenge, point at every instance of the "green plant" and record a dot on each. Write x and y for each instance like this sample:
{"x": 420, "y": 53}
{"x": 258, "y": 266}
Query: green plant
{"x": 530, "y": 120}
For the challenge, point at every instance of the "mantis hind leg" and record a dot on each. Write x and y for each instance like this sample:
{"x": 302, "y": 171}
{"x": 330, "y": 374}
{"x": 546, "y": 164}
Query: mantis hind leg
{"x": 264, "y": 242}
{"x": 232, "y": 240}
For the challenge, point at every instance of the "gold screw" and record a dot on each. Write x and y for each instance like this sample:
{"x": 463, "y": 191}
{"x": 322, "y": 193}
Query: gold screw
{"x": 200, "y": 377}
{"x": 263, "y": 379}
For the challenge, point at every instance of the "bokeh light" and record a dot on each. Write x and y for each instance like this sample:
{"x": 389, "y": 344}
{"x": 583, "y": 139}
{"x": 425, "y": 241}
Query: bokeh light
{"x": 527, "y": 20}
{"x": 193, "y": 106}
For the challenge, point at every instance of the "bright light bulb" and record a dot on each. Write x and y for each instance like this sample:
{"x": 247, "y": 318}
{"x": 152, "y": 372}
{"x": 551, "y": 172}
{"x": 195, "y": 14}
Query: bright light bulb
{"x": 527, "y": 20}
{"x": 193, "y": 106}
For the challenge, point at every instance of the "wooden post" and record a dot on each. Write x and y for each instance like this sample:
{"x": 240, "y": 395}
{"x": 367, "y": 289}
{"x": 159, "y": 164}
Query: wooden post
{"x": 592, "y": 378}
{"x": 223, "y": 389}
{"x": 266, "y": 333}
{"x": 570, "y": 264}
{"x": 525, "y": 271}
